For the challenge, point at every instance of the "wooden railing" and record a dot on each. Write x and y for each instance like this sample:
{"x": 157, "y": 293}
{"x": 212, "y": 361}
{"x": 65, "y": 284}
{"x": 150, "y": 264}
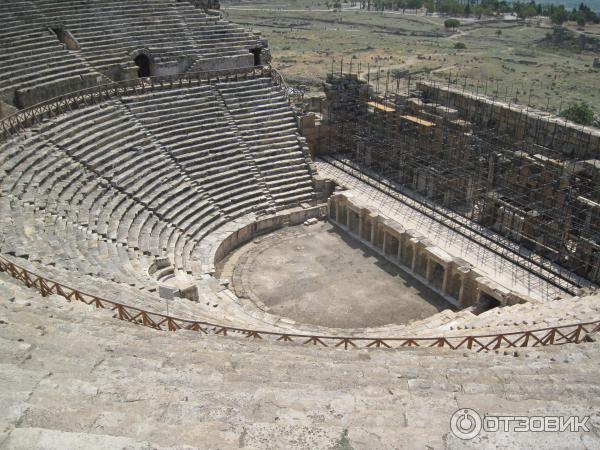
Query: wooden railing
{"x": 574, "y": 333}
{"x": 96, "y": 94}
{"x": 564, "y": 334}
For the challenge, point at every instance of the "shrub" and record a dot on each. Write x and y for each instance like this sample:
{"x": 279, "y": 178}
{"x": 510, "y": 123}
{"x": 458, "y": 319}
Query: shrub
{"x": 581, "y": 113}
{"x": 460, "y": 45}
{"x": 452, "y": 23}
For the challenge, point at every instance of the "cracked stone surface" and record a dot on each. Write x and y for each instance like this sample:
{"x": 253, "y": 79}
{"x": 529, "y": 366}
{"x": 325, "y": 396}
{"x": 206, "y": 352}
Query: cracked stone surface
{"x": 72, "y": 377}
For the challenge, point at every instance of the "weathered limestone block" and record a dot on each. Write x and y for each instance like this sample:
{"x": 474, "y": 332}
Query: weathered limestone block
{"x": 6, "y": 110}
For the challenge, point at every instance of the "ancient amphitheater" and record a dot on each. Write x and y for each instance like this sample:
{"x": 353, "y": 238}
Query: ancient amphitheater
{"x": 193, "y": 256}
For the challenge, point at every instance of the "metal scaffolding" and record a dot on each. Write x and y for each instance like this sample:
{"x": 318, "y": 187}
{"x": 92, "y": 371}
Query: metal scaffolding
{"x": 520, "y": 178}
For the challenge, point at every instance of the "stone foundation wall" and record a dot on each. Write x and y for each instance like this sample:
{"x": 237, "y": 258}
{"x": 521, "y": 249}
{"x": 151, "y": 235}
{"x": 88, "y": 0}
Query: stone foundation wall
{"x": 42, "y": 92}
{"x": 267, "y": 225}
{"x": 455, "y": 279}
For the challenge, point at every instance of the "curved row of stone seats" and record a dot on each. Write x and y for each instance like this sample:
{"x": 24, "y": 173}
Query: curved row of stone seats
{"x": 268, "y": 126}
{"x": 498, "y": 320}
{"x": 49, "y": 186}
{"x": 79, "y": 255}
{"x": 73, "y": 377}
{"x": 35, "y": 65}
{"x": 109, "y": 33}
{"x": 194, "y": 126}
{"x": 216, "y": 38}
{"x": 72, "y": 191}
{"x": 107, "y": 141}
{"x": 534, "y": 315}
{"x": 43, "y": 205}
{"x": 45, "y": 242}
{"x": 213, "y": 304}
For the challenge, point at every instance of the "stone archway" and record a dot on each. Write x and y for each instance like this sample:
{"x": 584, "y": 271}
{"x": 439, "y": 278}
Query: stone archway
{"x": 143, "y": 63}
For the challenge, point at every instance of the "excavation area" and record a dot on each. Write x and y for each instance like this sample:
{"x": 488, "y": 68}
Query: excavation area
{"x": 320, "y": 275}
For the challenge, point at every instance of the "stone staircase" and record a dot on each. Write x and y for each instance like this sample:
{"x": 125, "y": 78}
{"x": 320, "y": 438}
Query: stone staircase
{"x": 217, "y": 39}
{"x": 195, "y": 128}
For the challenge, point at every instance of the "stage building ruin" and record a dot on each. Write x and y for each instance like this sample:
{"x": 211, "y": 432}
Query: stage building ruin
{"x": 524, "y": 174}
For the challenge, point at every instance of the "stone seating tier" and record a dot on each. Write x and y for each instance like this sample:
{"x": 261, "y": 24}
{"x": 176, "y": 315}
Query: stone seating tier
{"x": 100, "y": 192}
{"x": 108, "y": 34}
{"x": 74, "y": 377}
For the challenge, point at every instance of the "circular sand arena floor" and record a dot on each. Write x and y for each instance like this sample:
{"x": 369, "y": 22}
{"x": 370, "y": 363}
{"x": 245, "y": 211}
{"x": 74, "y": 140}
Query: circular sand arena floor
{"x": 320, "y": 275}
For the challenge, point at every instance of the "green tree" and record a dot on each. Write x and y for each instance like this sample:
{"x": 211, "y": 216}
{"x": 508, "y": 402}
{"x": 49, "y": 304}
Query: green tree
{"x": 460, "y": 45}
{"x": 449, "y": 7}
{"x": 452, "y": 23}
{"x": 414, "y": 4}
{"x": 588, "y": 14}
{"x": 526, "y": 11}
{"x": 580, "y": 113}
{"x": 559, "y": 15}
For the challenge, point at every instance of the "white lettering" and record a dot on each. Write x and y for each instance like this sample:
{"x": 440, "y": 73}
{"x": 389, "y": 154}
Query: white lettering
{"x": 522, "y": 424}
{"x": 490, "y": 423}
{"x": 536, "y": 424}
{"x": 581, "y": 425}
{"x": 551, "y": 424}
{"x": 567, "y": 424}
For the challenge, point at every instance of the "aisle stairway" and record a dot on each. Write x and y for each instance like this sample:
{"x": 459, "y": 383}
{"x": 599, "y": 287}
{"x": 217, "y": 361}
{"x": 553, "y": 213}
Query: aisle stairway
{"x": 266, "y": 122}
{"x": 195, "y": 128}
{"x": 35, "y": 65}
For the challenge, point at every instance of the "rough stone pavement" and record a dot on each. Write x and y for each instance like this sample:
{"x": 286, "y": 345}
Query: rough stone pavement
{"x": 72, "y": 377}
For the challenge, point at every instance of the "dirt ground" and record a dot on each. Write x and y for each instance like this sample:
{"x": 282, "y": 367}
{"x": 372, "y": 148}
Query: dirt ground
{"x": 322, "y": 276}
